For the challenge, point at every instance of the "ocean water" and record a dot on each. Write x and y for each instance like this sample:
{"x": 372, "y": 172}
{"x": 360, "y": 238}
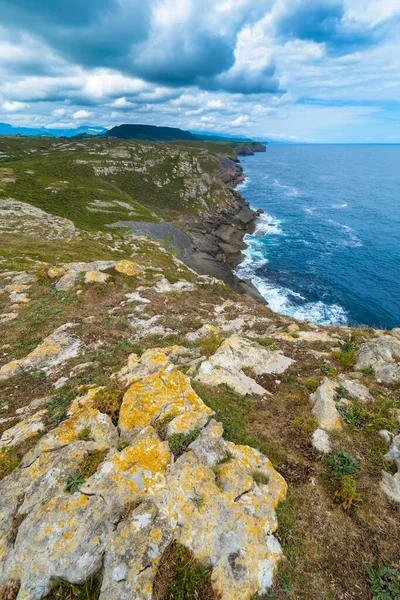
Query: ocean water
{"x": 327, "y": 249}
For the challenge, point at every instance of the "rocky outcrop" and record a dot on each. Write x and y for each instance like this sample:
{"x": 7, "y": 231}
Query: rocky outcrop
{"x": 383, "y": 356}
{"x": 391, "y": 483}
{"x": 249, "y": 148}
{"x": 235, "y": 354}
{"x": 58, "y": 347}
{"x": 212, "y": 496}
{"x": 324, "y": 406}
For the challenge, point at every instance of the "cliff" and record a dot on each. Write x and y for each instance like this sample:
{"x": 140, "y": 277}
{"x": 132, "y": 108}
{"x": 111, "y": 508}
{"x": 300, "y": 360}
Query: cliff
{"x": 163, "y": 436}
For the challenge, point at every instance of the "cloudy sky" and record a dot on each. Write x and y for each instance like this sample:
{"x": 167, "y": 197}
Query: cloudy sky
{"x": 312, "y": 70}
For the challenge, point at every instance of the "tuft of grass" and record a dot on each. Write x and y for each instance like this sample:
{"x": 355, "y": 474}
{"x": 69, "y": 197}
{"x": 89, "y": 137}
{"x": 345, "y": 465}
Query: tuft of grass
{"x": 74, "y": 482}
{"x": 384, "y": 582}
{"x": 109, "y": 400}
{"x": 328, "y": 370}
{"x": 346, "y": 355}
{"x": 92, "y": 463}
{"x": 161, "y": 426}
{"x": 122, "y": 444}
{"x": 84, "y": 434}
{"x": 181, "y": 577}
{"x": 304, "y": 424}
{"x": 9, "y": 460}
{"x": 311, "y": 384}
{"x": 178, "y": 442}
{"x": 63, "y": 590}
{"x": 210, "y": 344}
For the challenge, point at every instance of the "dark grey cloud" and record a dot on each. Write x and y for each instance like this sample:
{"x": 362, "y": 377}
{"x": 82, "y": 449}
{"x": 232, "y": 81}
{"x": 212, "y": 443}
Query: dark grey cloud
{"x": 190, "y": 47}
{"x": 245, "y": 80}
{"x": 325, "y": 21}
{"x": 92, "y": 33}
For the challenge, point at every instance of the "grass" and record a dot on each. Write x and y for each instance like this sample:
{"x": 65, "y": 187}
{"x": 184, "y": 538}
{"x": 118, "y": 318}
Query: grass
{"x": 10, "y": 458}
{"x": 179, "y": 442}
{"x": 63, "y": 590}
{"x": 109, "y": 400}
{"x": 181, "y": 577}
{"x": 346, "y": 355}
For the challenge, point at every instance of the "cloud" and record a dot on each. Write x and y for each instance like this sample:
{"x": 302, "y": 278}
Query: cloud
{"x": 13, "y": 106}
{"x": 327, "y": 22}
{"x": 81, "y": 114}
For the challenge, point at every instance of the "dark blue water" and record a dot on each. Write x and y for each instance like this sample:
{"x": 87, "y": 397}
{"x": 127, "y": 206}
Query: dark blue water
{"x": 328, "y": 247}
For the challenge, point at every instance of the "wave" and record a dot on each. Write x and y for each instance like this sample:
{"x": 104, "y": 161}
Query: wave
{"x": 290, "y": 191}
{"x": 344, "y": 205}
{"x": 243, "y": 185}
{"x": 352, "y": 241}
{"x": 281, "y": 299}
{"x": 267, "y": 225}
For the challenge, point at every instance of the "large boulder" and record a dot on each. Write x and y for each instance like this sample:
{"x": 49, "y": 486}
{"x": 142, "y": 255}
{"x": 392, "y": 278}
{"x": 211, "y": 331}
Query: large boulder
{"x": 234, "y": 355}
{"x": 324, "y": 406}
{"x": 383, "y": 356}
{"x": 391, "y": 483}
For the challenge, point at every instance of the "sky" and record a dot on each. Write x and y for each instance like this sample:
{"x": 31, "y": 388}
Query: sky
{"x": 285, "y": 70}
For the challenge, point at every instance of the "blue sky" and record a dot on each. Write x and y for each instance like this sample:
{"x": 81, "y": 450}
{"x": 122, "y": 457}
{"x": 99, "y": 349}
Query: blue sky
{"x": 302, "y": 70}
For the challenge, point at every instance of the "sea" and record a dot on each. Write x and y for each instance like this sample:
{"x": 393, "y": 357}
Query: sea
{"x": 327, "y": 248}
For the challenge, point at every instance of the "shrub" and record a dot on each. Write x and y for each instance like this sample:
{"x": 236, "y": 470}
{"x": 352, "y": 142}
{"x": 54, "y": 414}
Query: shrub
{"x": 340, "y": 463}
{"x": 346, "y": 495}
{"x": 311, "y": 384}
{"x": 384, "y": 582}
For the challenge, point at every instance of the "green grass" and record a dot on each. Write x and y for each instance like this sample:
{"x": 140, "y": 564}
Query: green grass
{"x": 341, "y": 463}
{"x": 179, "y": 442}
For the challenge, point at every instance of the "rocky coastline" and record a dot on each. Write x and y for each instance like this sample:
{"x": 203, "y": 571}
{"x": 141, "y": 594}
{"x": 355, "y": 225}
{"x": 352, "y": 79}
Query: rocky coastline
{"x": 218, "y": 238}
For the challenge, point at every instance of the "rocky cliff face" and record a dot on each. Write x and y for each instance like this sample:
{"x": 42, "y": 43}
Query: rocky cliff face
{"x": 163, "y": 436}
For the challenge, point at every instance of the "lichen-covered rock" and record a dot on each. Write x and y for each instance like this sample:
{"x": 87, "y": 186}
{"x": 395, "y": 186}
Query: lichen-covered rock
{"x": 356, "y": 390}
{"x": 235, "y": 354}
{"x": 382, "y": 355}
{"x": 133, "y": 554}
{"x": 217, "y": 499}
{"x": 24, "y": 430}
{"x": 150, "y": 362}
{"x": 96, "y": 277}
{"x": 391, "y": 483}
{"x": 156, "y": 397}
{"x": 58, "y": 347}
{"x": 324, "y": 409}
{"x": 128, "y": 267}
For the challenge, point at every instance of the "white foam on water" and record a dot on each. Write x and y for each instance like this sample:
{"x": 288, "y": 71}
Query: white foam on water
{"x": 267, "y": 225}
{"x": 353, "y": 241}
{"x": 289, "y": 190}
{"x": 344, "y": 205}
{"x": 280, "y": 299}
{"x": 243, "y": 185}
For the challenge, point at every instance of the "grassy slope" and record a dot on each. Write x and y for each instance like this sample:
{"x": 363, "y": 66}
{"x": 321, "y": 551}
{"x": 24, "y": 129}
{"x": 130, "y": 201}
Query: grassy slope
{"x": 59, "y": 177}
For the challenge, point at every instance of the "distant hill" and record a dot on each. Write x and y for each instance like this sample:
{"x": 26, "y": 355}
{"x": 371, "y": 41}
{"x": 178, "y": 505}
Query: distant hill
{"x": 6, "y": 129}
{"x": 152, "y": 133}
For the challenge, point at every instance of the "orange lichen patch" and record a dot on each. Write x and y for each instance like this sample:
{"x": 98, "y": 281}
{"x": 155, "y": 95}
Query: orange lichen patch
{"x": 96, "y": 277}
{"x": 150, "y": 362}
{"x": 56, "y": 272}
{"x": 84, "y": 401}
{"x": 101, "y": 430}
{"x": 58, "y": 343}
{"x": 186, "y": 422}
{"x": 17, "y": 287}
{"x": 128, "y": 267}
{"x": 140, "y": 469}
{"x": 157, "y": 396}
